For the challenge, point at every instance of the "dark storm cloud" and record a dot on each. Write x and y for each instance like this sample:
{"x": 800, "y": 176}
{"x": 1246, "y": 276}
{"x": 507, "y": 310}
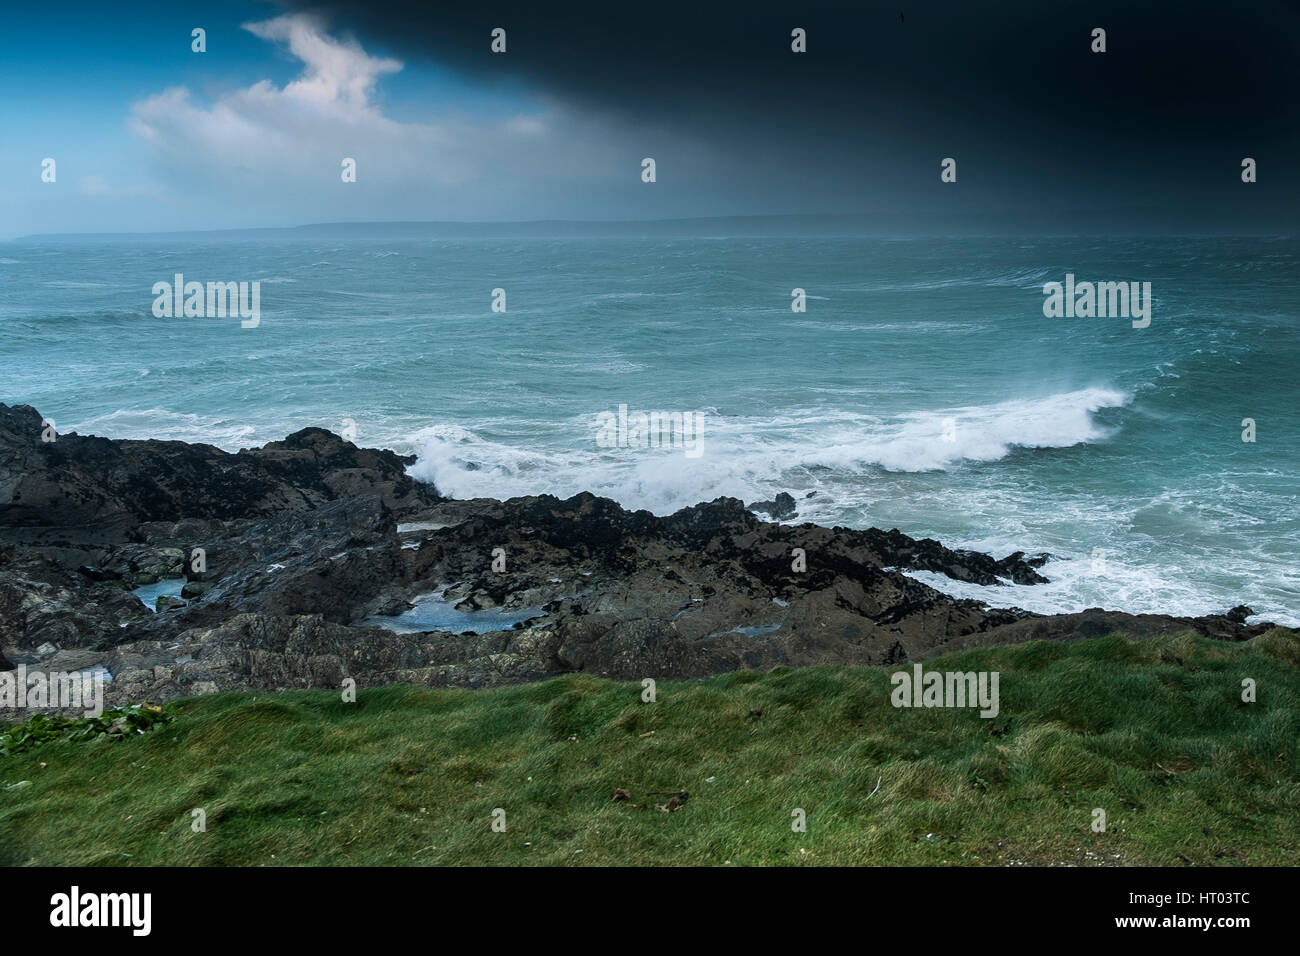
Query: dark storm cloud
{"x": 1152, "y": 132}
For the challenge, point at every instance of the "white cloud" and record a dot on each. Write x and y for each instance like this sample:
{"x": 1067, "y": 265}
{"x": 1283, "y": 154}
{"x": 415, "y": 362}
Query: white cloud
{"x": 339, "y": 76}
{"x": 285, "y": 145}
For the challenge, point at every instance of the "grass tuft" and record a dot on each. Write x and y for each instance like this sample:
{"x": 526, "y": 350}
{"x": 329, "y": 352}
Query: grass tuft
{"x": 1155, "y": 733}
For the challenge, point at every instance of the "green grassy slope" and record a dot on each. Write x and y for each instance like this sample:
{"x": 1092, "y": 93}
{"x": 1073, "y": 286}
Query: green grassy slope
{"x": 1155, "y": 733}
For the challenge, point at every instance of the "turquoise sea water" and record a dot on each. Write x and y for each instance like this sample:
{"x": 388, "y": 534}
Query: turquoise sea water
{"x": 922, "y": 389}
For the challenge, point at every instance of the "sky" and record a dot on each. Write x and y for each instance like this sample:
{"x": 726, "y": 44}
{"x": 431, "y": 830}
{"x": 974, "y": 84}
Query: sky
{"x": 1048, "y": 136}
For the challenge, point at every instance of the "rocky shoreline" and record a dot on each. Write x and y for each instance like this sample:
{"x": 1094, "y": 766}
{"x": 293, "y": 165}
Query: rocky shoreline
{"x": 289, "y": 558}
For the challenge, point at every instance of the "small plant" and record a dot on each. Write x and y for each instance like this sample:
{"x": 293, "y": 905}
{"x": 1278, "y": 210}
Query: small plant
{"x": 118, "y": 722}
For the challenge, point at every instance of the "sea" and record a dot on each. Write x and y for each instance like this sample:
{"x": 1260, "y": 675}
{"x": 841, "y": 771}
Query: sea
{"x": 910, "y": 383}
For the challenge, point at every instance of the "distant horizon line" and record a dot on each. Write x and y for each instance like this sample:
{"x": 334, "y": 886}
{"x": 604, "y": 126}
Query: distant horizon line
{"x": 609, "y": 226}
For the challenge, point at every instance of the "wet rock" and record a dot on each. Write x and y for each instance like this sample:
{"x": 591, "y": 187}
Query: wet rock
{"x": 194, "y": 589}
{"x": 41, "y": 602}
{"x": 1096, "y": 622}
{"x": 90, "y": 491}
{"x": 1021, "y": 571}
{"x": 782, "y": 507}
{"x": 304, "y": 539}
{"x": 99, "y": 574}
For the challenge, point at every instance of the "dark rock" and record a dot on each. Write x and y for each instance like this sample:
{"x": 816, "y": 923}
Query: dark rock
{"x": 41, "y": 602}
{"x": 301, "y": 543}
{"x": 1095, "y": 622}
{"x": 1020, "y": 571}
{"x": 95, "y": 490}
{"x": 781, "y": 508}
{"x": 99, "y": 574}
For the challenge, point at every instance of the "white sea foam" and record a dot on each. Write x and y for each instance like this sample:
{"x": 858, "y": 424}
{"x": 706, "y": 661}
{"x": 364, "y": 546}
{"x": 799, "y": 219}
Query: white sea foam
{"x": 167, "y": 425}
{"x": 1136, "y": 587}
{"x": 928, "y": 441}
{"x": 850, "y": 400}
{"x": 748, "y": 458}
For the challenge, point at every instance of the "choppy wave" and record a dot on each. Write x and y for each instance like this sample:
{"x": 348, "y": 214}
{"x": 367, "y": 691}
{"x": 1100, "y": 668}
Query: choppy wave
{"x": 923, "y": 389}
{"x": 160, "y": 423}
{"x": 750, "y": 457}
{"x": 931, "y": 440}
{"x": 1135, "y": 587}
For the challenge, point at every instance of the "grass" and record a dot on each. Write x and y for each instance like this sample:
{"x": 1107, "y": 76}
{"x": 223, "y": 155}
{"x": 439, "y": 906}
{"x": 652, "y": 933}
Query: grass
{"x": 1154, "y": 733}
